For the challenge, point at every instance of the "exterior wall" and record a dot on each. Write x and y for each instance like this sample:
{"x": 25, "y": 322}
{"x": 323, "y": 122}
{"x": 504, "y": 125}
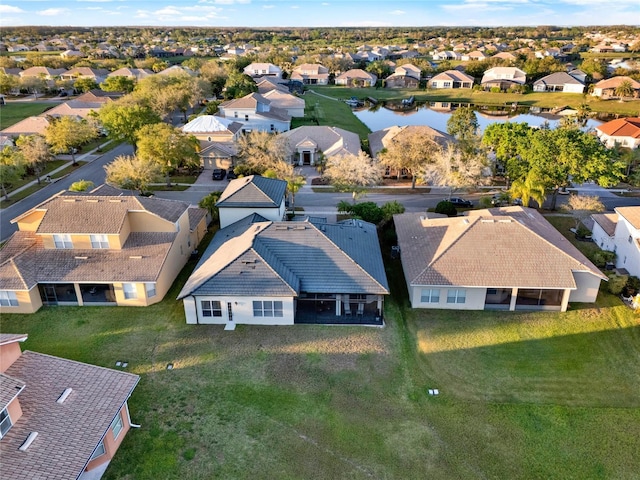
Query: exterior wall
{"x": 587, "y": 287}
{"x": 111, "y": 444}
{"x": 252, "y": 120}
{"x": 14, "y": 410}
{"x": 231, "y": 215}
{"x": 139, "y": 301}
{"x": 474, "y": 298}
{"x": 176, "y": 259}
{"x": 211, "y": 162}
{"x": 628, "y": 253}
{"x": 147, "y": 222}
{"x": 31, "y": 222}
{"x": 601, "y": 238}
{"x": 29, "y": 301}
{"x": 572, "y": 88}
{"x": 242, "y": 311}
{"x": 611, "y": 142}
{"x": 196, "y": 236}
{"x": 9, "y": 353}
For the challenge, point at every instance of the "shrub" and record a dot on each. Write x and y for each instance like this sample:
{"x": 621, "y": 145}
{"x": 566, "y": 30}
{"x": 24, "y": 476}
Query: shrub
{"x": 616, "y": 283}
{"x": 632, "y": 288}
{"x": 447, "y": 208}
{"x": 602, "y": 257}
{"x": 389, "y": 209}
{"x": 495, "y": 90}
{"x": 368, "y": 211}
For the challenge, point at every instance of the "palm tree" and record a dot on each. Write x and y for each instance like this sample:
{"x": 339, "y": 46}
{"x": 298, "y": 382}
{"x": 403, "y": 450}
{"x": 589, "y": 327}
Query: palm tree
{"x": 625, "y": 89}
{"x": 209, "y": 203}
{"x": 531, "y": 188}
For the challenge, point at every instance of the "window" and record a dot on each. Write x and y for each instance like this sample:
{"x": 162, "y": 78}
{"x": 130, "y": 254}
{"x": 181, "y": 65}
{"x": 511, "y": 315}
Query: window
{"x": 267, "y": 308}
{"x": 116, "y": 426}
{"x": 62, "y": 241}
{"x": 273, "y": 127}
{"x": 456, "y": 295}
{"x": 211, "y": 308}
{"x": 99, "y": 241}
{"x": 99, "y": 451}
{"x": 235, "y": 114}
{"x": 130, "y": 290}
{"x": 8, "y": 299}
{"x": 430, "y": 295}
{"x": 446, "y": 84}
{"x": 246, "y": 118}
{"x": 630, "y": 239}
{"x": 5, "y": 422}
{"x": 150, "y": 289}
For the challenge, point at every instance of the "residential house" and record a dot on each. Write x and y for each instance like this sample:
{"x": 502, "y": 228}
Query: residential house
{"x": 28, "y": 126}
{"x": 217, "y": 138}
{"x": 503, "y": 77}
{"x": 178, "y": 70}
{"x": 476, "y": 55}
{"x": 263, "y": 70}
{"x": 625, "y": 240}
{"x": 252, "y": 194}
{"x": 508, "y": 56}
{"x": 404, "y": 76}
{"x": 307, "y": 144}
{"x": 133, "y": 73}
{"x": 74, "y": 108}
{"x": 451, "y": 79}
{"x": 607, "y": 88}
{"x": 356, "y": 78}
{"x": 311, "y": 74}
{"x": 264, "y": 272}
{"x": 255, "y": 112}
{"x": 98, "y": 96}
{"x": 621, "y": 131}
{"x": 293, "y": 105}
{"x": 72, "y": 54}
{"x": 507, "y": 258}
{"x": 59, "y": 418}
{"x": 98, "y": 75}
{"x": 446, "y": 55}
{"x": 381, "y": 139}
{"x": 266, "y": 84}
{"x": 43, "y": 72}
{"x": 97, "y": 248}
{"x": 559, "y": 82}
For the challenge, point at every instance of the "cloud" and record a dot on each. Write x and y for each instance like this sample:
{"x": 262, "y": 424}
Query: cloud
{"x": 53, "y": 12}
{"x": 325, "y": 4}
{"x": 95, "y": 1}
{"x": 224, "y": 2}
{"x": 295, "y": 7}
{"x": 397, "y": 12}
{"x": 10, "y": 9}
{"x": 267, "y": 7}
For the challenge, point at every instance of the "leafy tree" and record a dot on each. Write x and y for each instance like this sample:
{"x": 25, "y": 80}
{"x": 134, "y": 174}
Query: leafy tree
{"x": 447, "y": 208}
{"x": 239, "y": 85}
{"x": 463, "y": 124}
{"x": 132, "y": 173}
{"x": 261, "y": 150}
{"x": 167, "y": 146}
{"x": 85, "y": 84}
{"x": 66, "y": 134}
{"x": 11, "y": 168}
{"x": 35, "y": 152}
{"x": 216, "y": 75}
{"x": 594, "y": 68}
{"x": 527, "y": 189}
{"x": 209, "y": 202}
{"x": 81, "y": 186}
{"x": 122, "y": 119}
{"x": 452, "y": 167}
{"x": 118, "y": 84}
{"x": 351, "y": 173}
{"x": 392, "y": 208}
{"x": 34, "y": 85}
{"x": 8, "y": 84}
{"x": 368, "y": 211}
{"x": 379, "y": 68}
{"x": 582, "y": 206}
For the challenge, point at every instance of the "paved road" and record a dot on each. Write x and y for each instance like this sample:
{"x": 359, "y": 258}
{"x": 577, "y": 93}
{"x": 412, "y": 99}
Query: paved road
{"x": 92, "y": 171}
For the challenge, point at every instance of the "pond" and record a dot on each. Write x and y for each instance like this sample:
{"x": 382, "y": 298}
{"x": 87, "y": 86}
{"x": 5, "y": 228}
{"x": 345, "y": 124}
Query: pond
{"x": 436, "y": 114}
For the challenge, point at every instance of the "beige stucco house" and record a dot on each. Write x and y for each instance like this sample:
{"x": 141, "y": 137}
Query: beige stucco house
{"x": 507, "y": 258}
{"x": 311, "y": 74}
{"x": 59, "y": 418}
{"x": 255, "y": 112}
{"x": 451, "y": 79}
{"x": 306, "y": 144}
{"x": 97, "y": 248}
{"x": 356, "y": 78}
{"x": 217, "y": 137}
{"x": 621, "y": 131}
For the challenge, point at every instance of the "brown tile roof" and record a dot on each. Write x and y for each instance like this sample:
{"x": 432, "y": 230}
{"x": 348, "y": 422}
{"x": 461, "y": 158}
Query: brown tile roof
{"x": 497, "y": 248}
{"x": 68, "y": 432}
{"x": 12, "y": 337}
{"x": 631, "y": 215}
{"x": 607, "y": 221}
{"x": 9, "y": 388}
{"x": 621, "y": 127}
{"x": 614, "y": 82}
{"x": 196, "y": 214}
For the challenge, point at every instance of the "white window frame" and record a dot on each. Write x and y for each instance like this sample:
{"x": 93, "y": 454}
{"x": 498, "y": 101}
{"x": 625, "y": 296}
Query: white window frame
{"x": 117, "y": 426}
{"x": 99, "y": 241}
{"x": 210, "y": 309}
{"x": 4, "y": 422}
{"x": 150, "y": 288}
{"x": 130, "y": 291}
{"x": 8, "y": 298}
{"x": 99, "y": 451}
{"x": 268, "y": 308}
{"x": 457, "y": 295}
{"x": 430, "y": 295}
{"x": 62, "y": 241}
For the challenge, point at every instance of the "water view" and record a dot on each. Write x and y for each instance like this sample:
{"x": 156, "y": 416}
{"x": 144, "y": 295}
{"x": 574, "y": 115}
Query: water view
{"x": 436, "y": 114}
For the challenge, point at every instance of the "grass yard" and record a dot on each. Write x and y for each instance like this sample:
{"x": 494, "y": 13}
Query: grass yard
{"x": 523, "y": 395}
{"x": 13, "y": 112}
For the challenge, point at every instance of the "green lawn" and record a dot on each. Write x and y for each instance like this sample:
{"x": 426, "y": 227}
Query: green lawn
{"x": 523, "y": 395}
{"x": 13, "y": 112}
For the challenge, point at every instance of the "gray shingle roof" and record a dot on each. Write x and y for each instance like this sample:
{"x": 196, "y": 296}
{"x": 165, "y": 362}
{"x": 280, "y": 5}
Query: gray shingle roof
{"x": 558, "y": 78}
{"x": 9, "y": 388}
{"x": 329, "y": 140}
{"x": 509, "y": 247}
{"x": 253, "y": 191}
{"x": 68, "y": 432}
{"x": 286, "y": 258}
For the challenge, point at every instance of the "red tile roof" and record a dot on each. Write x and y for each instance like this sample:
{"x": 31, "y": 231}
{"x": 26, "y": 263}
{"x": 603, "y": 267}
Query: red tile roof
{"x": 621, "y": 127}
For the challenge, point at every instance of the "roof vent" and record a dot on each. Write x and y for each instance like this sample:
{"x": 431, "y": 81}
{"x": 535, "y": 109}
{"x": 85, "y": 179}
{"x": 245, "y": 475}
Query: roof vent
{"x": 505, "y": 220}
{"x": 465, "y": 221}
{"x": 32, "y": 436}
{"x": 135, "y": 257}
{"x": 69, "y": 200}
{"x": 63, "y": 396}
{"x": 80, "y": 257}
{"x": 300, "y": 227}
{"x": 92, "y": 200}
{"x": 487, "y": 220}
{"x": 115, "y": 200}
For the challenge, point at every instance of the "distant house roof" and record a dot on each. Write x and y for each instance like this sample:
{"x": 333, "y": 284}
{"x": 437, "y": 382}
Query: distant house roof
{"x": 46, "y": 71}
{"x": 453, "y": 75}
{"x": 254, "y": 257}
{"x": 211, "y": 123}
{"x": 607, "y": 221}
{"x": 68, "y": 433}
{"x": 615, "y": 82}
{"x": 283, "y": 100}
{"x": 558, "y": 78}
{"x": 28, "y": 126}
{"x": 357, "y": 73}
{"x": 138, "y": 73}
{"x": 473, "y": 250}
{"x": 98, "y": 96}
{"x": 382, "y": 138}
{"x": 621, "y": 127}
{"x": 253, "y": 191}
{"x": 330, "y": 141}
{"x": 74, "y": 108}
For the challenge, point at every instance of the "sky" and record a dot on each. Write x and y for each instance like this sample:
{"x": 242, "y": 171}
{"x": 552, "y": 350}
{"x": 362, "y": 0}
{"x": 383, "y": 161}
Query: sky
{"x": 318, "y": 13}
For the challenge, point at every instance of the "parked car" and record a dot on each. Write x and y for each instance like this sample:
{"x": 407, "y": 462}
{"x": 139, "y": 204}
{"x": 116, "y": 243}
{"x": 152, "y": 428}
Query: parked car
{"x": 500, "y": 199}
{"x": 231, "y": 174}
{"x": 460, "y": 202}
{"x": 218, "y": 174}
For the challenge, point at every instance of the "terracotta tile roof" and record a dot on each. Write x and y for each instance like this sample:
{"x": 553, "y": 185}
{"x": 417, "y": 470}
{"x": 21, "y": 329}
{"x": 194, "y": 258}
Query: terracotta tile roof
{"x": 497, "y": 248}
{"x": 631, "y": 215}
{"x": 607, "y": 221}
{"x": 621, "y": 127}
{"x": 68, "y": 432}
